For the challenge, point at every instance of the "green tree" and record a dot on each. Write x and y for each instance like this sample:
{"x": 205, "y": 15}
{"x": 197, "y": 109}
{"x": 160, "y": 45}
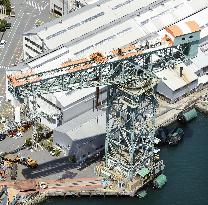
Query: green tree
{"x": 3, "y": 23}
{"x": 72, "y": 158}
{"x": 57, "y": 152}
{"x": 7, "y": 4}
{"x": 28, "y": 142}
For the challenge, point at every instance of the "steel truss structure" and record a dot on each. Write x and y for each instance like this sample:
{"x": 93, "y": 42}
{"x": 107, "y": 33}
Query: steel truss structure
{"x": 130, "y": 129}
{"x": 88, "y": 73}
{"x": 131, "y": 100}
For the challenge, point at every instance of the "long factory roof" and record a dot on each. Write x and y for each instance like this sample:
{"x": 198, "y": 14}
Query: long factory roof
{"x": 89, "y": 18}
{"x": 119, "y": 35}
{"x": 103, "y": 14}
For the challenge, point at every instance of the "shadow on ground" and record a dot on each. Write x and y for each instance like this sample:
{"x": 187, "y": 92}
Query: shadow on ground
{"x": 68, "y": 174}
{"x": 49, "y": 168}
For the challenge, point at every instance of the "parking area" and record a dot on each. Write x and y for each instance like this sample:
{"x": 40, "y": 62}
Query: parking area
{"x": 49, "y": 167}
{"x": 29, "y": 13}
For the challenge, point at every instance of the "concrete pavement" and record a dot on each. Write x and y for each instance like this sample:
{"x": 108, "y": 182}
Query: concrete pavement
{"x": 25, "y": 18}
{"x": 26, "y": 14}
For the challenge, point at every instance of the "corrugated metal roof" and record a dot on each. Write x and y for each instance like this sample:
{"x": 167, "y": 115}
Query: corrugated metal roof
{"x": 171, "y": 77}
{"x": 201, "y": 60}
{"x": 182, "y": 28}
{"x": 84, "y": 126}
{"x": 103, "y": 41}
{"x": 69, "y": 98}
{"x": 92, "y": 17}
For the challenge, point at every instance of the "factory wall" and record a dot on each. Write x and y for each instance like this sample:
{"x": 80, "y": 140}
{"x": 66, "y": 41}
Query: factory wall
{"x": 184, "y": 90}
{"x": 81, "y": 106}
{"x": 62, "y": 139}
{"x": 163, "y": 89}
{"x": 81, "y": 149}
{"x": 32, "y": 46}
{"x": 48, "y": 109}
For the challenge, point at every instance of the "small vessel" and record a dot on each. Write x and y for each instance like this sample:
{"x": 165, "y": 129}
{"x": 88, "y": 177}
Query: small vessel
{"x": 187, "y": 115}
{"x": 160, "y": 181}
{"x": 175, "y": 136}
{"x": 161, "y": 134}
{"x": 142, "y": 194}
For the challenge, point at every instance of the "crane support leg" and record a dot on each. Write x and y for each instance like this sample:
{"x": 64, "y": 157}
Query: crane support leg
{"x": 129, "y": 146}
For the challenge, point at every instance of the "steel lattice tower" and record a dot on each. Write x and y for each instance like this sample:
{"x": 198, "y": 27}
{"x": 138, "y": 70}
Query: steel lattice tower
{"x": 130, "y": 129}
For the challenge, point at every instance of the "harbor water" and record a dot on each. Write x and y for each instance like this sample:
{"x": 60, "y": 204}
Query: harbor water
{"x": 186, "y": 171}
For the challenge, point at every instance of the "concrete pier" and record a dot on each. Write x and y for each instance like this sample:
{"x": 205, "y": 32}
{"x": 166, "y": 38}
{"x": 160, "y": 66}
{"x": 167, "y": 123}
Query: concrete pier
{"x": 202, "y": 106}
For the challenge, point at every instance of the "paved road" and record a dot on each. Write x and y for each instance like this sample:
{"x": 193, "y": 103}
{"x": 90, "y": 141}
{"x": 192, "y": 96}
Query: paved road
{"x": 78, "y": 184}
{"x": 27, "y": 12}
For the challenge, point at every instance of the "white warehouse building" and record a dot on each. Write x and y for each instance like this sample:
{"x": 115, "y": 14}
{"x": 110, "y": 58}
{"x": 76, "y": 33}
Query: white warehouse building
{"x": 176, "y": 82}
{"x": 63, "y": 7}
{"x": 83, "y": 136}
{"x": 68, "y": 105}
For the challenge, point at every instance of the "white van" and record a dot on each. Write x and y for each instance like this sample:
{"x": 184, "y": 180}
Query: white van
{"x": 12, "y": 13}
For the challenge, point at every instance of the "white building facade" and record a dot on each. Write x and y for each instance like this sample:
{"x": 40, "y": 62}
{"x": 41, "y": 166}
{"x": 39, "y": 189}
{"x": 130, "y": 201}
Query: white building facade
{"x": 62, "y": 7}
{"x": 83, "y": 136}
{"x": 177, "y": 82}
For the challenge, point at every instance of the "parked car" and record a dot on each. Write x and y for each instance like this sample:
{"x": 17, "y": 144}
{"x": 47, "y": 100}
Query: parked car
{"x": 3, "y": 29}
{"x": 8, "y": 25}
{"x": 19, "y": 134}
{"x": 2, "y": 136}
{"x": 12, "y": 133}
{"x": 2, "y": 43}
{"x": 12, "y": 13}
{"x": 2, "y": 120}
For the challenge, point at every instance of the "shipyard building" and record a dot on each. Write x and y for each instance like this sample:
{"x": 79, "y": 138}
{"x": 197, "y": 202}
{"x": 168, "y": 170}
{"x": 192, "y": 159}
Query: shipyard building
{"x": 73, "y": 138}
{"x": 105, "y": 26}
{"x": 63, "y": 7}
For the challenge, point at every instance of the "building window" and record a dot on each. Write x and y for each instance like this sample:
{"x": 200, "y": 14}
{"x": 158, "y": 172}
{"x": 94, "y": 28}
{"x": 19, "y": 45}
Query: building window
{"x": 57, "y": 7}
{"x": 190, "y": 36}
{"x": 33, "y": 43}
{"x": 86, "y": 20}
{"x": 32, "y": 49}
{"x": 183, "y": 39}
{"x": 28, "y": 55}
{"x": 56, "y": 34}
{"x": 93, "y": 17}
{"x": 121, "y": 4}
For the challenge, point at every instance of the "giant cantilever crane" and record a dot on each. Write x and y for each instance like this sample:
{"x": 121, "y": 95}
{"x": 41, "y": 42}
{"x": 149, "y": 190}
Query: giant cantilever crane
{"x": 131, "y": 102}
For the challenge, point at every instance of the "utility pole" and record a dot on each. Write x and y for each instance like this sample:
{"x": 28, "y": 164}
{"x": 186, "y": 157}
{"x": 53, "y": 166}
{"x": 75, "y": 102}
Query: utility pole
{"x": 63, "y": 7}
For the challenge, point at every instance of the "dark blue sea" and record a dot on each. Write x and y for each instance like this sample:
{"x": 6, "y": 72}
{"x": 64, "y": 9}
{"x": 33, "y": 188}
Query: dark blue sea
{"x": 186, "y": 170}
